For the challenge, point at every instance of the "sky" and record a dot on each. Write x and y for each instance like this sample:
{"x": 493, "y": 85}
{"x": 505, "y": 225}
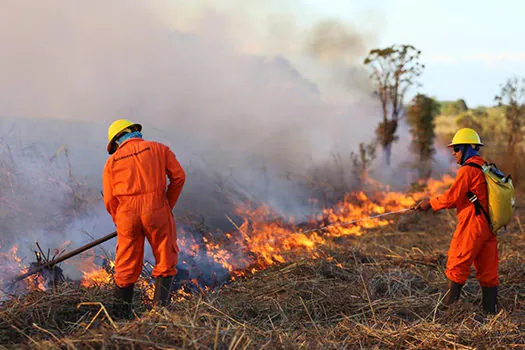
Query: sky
{"x": 469, "y": 47}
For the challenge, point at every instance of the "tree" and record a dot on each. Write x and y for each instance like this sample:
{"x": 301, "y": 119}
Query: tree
{"x": 453, "y": 107}
{"x": 362, "y": 161}
{"x": 460, "y": 106}
{"x": 512, "y": 98}
{"x": 393, "y": 71}
{"x": 470, "y": 120}
{"x": 420, "y": 116}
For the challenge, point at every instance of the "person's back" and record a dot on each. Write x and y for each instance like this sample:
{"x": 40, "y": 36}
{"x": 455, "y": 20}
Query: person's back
{"x": 139, "y": 170}
{"x": 135, "y": 195}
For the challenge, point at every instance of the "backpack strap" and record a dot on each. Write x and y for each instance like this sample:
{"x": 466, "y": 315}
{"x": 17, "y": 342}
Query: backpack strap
{"x": 474, "y": 165}
{"x": 474, "y": 199}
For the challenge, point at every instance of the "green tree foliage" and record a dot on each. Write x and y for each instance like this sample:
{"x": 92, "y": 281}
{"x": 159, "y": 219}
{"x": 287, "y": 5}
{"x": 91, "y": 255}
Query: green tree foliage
{"x": 453, "y": 107}
{"x": 512, "y": 98}
{"x": 470, "y": 120}
{"x": 393, "y": 71}
{"x": 477, "y": 119}
{"x": 480, "y": 112}
{"x": 420, "y": 116}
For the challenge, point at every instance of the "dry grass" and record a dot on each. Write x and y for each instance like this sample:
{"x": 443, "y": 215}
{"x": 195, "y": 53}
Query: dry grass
{"x": 377, "y": 291}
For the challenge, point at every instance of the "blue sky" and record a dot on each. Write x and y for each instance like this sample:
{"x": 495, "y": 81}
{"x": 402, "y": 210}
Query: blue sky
{"x": 469, "y": 47}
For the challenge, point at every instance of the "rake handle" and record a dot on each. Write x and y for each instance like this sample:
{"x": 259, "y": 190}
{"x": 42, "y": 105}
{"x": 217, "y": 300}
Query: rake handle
{"x": 64, "y": 257}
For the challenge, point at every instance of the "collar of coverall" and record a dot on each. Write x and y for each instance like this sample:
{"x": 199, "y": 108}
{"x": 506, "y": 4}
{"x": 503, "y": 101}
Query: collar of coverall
{"x": 128, "y": 140}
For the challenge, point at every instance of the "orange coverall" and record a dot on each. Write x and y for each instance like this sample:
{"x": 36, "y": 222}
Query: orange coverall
{"x": 473, "y": 241}
{"x": 135, "y": 195}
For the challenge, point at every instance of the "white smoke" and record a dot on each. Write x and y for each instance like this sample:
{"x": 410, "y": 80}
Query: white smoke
{"x": 253, "y": 105}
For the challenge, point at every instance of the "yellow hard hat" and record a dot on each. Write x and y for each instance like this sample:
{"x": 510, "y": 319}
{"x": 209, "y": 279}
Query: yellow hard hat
{"x": 116, "y": 128}
{"x": 466, "y": 136}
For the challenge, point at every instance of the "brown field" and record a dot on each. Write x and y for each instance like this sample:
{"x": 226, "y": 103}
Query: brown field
{"x": 375, "y": 291}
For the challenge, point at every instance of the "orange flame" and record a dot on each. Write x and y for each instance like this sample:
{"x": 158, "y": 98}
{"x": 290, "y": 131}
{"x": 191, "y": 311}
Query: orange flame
{"x": 263, "y": 238}
{"x": 268, "y": 240}
{"x": 94, "y": 275}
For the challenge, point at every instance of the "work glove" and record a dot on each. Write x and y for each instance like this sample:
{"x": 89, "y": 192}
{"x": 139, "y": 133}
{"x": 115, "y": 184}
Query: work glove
{"x": 423, "y": 205}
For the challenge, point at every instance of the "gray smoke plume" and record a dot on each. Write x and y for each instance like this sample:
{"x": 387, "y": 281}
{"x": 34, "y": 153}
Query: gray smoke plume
{"x": 247, "y": 117}
{"x": 332, "y": 40}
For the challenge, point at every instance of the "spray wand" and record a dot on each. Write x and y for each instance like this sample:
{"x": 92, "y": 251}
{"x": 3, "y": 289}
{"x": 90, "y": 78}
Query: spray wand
{"x": 361, "y": 219}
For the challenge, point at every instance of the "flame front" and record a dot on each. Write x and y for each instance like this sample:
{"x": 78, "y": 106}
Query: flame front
{"x": 266, "y": 240}
{"x": 263, "y": 238}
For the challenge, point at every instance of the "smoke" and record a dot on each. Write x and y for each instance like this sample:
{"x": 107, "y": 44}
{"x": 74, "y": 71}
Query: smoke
{"x": 332, "y": 40}
{"x": 254, "y": 105}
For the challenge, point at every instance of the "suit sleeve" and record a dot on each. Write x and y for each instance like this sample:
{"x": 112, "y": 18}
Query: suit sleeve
{"x": 459, "y": 189}
{"x": 110, "y": 201}
{"x": 176, "y": 176}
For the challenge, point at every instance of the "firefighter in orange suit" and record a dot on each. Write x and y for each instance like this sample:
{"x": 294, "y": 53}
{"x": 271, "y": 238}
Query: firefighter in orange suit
{"x": 473, "y": 242}
{"x": 140, "y": 201}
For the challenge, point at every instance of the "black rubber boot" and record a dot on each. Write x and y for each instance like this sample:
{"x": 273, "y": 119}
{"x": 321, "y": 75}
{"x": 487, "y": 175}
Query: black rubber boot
{"x": 453, "y": 292}
{"x": 162, "y": 290}
{"x": 490, "y": 296}
{"x": 123, "y": 302}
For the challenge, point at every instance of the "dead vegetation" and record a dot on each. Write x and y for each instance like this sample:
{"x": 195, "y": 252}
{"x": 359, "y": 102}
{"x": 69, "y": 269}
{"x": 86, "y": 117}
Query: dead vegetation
{"x": 377, "y": 291}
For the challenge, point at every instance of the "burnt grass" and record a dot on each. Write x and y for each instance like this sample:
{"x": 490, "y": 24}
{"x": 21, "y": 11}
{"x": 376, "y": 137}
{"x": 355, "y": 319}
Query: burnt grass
{"x": 380, "y": 290}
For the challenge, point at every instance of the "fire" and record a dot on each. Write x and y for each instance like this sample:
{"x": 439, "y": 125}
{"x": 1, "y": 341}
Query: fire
{"x": 93, "y": 274}
{"x": 269, "y": 240}
{"x": 96, "y": 277}
{"x": 147, "y": 288}
{"x": 360, "y": 206}
{"x": 266, "y": 240}
{"x": 436, "y": 186}
{"x": 12, "y": 265}
{"x": 12, "y": 255}
{"x": 35, "y": 281}
{"x": 262, "y": 238}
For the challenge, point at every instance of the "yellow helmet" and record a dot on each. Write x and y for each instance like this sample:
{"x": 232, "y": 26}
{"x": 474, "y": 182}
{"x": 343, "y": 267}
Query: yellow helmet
{"x": 466, "y": 136}
{"x": 116, "y": 128}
